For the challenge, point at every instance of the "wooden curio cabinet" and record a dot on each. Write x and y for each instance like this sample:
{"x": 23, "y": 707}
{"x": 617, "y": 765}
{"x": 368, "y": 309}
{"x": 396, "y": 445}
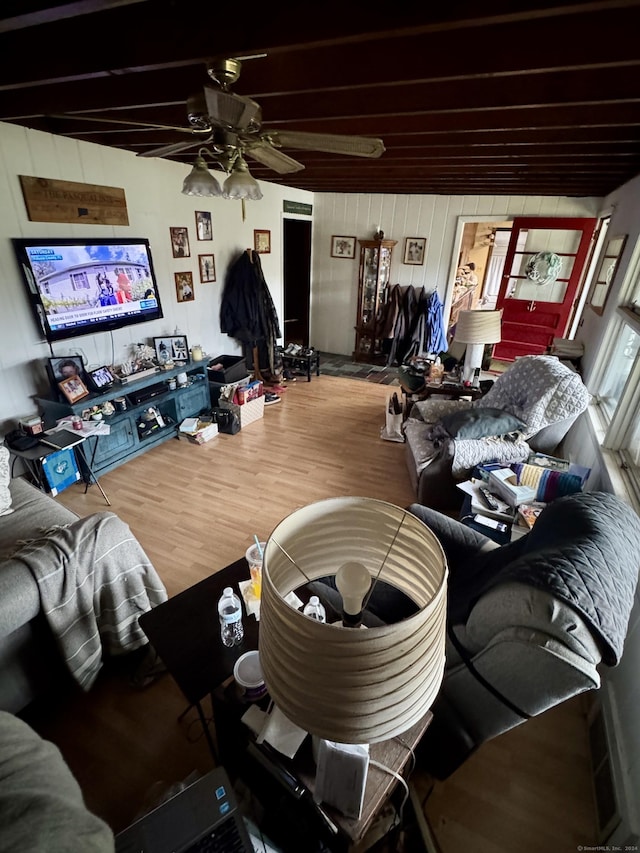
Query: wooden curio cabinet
{"x": 373, "y": 293}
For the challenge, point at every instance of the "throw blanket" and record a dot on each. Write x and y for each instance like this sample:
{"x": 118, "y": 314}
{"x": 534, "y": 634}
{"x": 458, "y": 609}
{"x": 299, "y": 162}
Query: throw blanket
{"x": 584, "y": 549}
{"x": 94, "y": 580}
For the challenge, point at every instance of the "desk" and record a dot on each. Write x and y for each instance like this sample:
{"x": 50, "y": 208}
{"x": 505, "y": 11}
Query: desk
{"x": 185, "y": 632}
{"x": 32, "y": 457}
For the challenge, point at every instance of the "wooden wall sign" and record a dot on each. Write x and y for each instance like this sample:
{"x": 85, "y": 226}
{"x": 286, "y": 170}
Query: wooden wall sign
{"x": 68, "y": 201}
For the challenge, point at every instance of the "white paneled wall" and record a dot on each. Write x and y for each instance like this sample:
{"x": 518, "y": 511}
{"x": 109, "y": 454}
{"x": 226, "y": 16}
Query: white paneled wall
{"x": 154, "y": 204}
{"x": 334, "y": 280}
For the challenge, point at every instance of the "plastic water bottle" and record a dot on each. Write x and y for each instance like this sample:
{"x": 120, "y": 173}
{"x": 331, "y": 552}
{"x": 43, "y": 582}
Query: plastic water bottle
{"x": 230, "y": 612}
{"x": 314, "y": 610}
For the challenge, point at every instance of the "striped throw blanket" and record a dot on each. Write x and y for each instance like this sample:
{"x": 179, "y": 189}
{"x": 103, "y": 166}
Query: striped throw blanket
{"x": 94, "y": 580}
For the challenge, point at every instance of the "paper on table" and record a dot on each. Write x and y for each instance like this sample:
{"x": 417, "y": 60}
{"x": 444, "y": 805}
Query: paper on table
{"x": 253, "y": 604}
{"x": 281, "y": 733}
{"x": 472, "y": 487}
{"x": 89, "y": 428}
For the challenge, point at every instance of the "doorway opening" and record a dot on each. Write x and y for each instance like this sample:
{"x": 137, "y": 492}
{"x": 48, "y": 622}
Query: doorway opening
{"x": 479, "y": 259}
{"x": 296, "y": 280}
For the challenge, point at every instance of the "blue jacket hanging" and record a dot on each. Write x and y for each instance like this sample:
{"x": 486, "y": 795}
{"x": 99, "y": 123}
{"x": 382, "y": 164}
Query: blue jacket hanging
{"x": 436, "y": 338}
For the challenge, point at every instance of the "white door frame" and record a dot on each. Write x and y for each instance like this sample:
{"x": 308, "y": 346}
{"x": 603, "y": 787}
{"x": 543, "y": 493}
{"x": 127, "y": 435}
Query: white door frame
{"x": 457, "y": 244}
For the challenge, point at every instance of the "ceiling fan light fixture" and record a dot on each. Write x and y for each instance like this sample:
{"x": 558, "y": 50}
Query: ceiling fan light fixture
{"x": 200, "y": 181}
{"x": 240, "y": 183}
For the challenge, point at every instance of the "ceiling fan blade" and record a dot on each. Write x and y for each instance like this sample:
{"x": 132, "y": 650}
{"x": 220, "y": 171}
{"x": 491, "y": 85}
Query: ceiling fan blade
{"x": 146, "y": 125}
{"x": 358, "y": 146}
{"x": 171, "y": 148}
{"x": 272, "y": 158}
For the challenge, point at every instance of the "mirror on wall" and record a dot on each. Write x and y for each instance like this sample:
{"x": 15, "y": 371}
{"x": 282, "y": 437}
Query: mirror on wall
{"x": 607, "y": 269}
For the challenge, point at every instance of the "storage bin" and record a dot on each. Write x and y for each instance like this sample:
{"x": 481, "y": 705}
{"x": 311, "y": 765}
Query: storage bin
{"x": 248, "y": 413}
{"x": 233, "y": 369}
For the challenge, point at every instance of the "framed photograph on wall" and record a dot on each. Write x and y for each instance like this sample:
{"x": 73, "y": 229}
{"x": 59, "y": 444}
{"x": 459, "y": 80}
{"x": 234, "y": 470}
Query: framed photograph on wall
{"x": 171, "y": 348}
{"x": 204, "y": 228}
{"x": 180, "y": 242}
{"x": 343, "y": 247}
{"x": 262, "y": 242}
{"x": 207, "y": 266}
{"x": 414, "y": 250}
{"x": 184, "y": 286}
{"x": 73, "y": 388}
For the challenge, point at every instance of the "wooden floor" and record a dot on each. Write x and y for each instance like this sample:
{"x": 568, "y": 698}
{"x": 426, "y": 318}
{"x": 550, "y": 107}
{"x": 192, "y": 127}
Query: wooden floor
{"x": 196, "y": 509}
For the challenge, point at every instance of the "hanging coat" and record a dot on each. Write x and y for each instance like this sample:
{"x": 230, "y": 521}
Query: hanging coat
{"x": 247, "y": 311}
{"x": 401, "y": 331}
{"x": 436, "y": 340}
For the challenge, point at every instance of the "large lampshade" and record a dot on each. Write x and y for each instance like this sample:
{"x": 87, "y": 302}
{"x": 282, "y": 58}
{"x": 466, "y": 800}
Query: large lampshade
{"x": 476, "y": 329}
{"x": 353, "y": 685}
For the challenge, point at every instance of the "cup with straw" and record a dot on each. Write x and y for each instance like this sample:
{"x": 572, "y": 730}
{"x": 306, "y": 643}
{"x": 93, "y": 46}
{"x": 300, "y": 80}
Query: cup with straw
{"x": 254, "y": 555}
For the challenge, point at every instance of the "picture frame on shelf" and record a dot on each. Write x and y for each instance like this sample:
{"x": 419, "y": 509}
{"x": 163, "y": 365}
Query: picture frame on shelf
{"x": 207, "y": 265}
{"x": 262, "y": 241}
{"x": 180, "y": 242}
{"x": 73, "y": 389}
{"x": 171, "y": 348}
{"x": 607, "y": 268}
{"x": 343, "y": 247}
{"x": 414, "y": 250}
{"x": 184, "y": 286}
{"x": 204, "y": 227}
{"x": 101, "y": 378}
{"x": 62, "y": 367}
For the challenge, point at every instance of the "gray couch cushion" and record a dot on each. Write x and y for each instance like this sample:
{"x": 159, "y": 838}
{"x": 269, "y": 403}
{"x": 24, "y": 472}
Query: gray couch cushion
{"x": 34, "y": 513}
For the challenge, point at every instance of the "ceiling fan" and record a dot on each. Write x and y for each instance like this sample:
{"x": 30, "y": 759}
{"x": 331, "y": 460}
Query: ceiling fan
{"x": 231, "y": 125}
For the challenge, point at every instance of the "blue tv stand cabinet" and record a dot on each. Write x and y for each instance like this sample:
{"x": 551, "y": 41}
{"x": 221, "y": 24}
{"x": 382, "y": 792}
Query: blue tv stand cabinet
{"x": 124, "y": 441}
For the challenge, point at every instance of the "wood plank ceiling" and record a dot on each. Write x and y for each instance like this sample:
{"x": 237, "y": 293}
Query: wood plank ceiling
{"x": 527, "y": 98}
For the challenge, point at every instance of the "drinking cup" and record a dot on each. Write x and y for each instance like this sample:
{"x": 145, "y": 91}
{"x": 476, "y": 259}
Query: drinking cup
{"x": 255, "y": 567}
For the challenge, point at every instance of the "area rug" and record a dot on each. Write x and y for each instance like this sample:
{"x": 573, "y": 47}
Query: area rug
{"x": 332, "y": 364}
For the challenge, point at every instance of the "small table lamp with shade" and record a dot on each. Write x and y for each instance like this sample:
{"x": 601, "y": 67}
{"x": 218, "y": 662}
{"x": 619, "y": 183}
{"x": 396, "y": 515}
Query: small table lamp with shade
{"x": 343, "y": 684}
{"x": 476, "y": 329}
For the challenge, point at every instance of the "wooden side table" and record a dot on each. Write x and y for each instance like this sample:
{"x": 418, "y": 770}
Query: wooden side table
{"x": 185, "y": 632}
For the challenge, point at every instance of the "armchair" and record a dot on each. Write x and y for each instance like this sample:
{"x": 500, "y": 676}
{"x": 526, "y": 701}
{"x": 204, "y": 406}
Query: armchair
{"x": 539, "y": 390}
{"x": 530, "y": 621}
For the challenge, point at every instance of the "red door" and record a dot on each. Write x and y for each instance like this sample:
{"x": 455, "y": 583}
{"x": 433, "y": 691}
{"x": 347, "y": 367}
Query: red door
{"x": 542, "y": 272}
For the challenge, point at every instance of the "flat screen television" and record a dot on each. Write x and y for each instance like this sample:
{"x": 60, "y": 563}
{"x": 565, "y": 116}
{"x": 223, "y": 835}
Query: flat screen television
{"x": 81, "y": 286}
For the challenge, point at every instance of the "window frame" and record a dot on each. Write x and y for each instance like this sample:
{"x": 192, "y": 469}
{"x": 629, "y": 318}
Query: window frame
{"x": 617, "y": 427}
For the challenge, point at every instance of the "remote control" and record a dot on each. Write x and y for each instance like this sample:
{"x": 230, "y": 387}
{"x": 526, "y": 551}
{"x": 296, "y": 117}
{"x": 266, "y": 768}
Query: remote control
{"x": 488, "y": 498}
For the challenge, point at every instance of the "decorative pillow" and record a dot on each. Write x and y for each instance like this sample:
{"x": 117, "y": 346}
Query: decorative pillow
{"x": 5, "y": 476}
{"x": 481, "y": 423}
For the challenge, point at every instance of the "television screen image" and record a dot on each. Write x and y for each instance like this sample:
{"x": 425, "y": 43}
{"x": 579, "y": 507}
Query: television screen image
{"x": 82, "y": 286}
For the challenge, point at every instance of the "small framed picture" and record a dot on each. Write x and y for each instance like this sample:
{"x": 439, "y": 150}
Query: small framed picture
{"x": 414, "y": 250}
{"x": 180, "y": 242}
{"x": 207, "y": 266}
{"x": 73, "y": 388}
{"x": 171, "y": 348}
{"x": 64, "y": 368}
{"x": 262, "y": 242}
{"x": 101, "y": 378}
{"x": 204, "y": 229}
{"x": 343, "y": 247}
{"x": 184, "y": 286}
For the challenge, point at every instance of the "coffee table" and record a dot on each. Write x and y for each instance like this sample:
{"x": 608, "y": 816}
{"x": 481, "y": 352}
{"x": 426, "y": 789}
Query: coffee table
{"x": 185, "y": 631}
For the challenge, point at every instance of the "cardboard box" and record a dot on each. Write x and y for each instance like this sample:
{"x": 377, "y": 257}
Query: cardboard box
{"x": 248, "y": 413}
{"x": 227, "y": 368}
